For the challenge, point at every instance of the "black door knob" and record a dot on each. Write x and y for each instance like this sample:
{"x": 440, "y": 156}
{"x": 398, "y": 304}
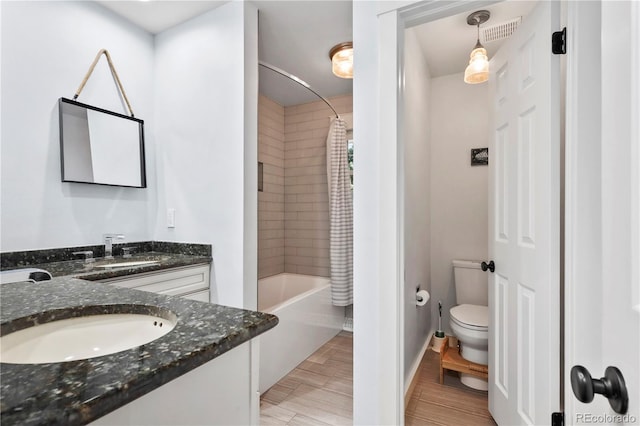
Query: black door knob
{"x": 490, "y": 266}
{"x": 611, "y": 386}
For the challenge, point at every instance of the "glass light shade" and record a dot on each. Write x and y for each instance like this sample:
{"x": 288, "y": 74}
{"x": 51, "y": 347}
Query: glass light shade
{"x": 342, "y": 61}
{"x": 478, "y": 69}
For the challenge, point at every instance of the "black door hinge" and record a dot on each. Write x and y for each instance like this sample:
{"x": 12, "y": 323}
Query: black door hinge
{"x": 557, "y": 419}
{"x": 559, "y": 42}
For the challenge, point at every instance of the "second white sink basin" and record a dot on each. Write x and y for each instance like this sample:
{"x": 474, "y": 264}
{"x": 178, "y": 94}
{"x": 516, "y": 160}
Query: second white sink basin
{"x": 81, "y": 338}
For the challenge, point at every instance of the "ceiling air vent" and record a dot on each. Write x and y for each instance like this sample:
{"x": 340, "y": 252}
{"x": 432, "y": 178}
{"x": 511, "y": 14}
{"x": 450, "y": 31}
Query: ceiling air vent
{"x": 500, "y": 31}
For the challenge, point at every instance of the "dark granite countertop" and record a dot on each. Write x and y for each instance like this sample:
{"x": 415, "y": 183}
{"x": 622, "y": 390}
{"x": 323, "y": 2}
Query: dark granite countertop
{"x": 62, "y": 262}
{"x": 78, "y": 392}
{"x": 96, "y": 271}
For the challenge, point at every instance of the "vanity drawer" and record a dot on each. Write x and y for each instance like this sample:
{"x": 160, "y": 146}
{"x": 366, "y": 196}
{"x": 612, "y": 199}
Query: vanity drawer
{"x": 202, "y": 296}
{"x": 174, "y": 282}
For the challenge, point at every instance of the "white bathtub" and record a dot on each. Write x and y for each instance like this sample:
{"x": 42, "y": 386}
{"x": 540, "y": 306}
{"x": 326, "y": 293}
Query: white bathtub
{"x": 308, "y": 320}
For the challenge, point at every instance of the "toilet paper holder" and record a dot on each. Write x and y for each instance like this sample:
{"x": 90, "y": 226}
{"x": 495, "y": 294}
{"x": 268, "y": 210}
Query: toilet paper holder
{"x": 422, "y": 297}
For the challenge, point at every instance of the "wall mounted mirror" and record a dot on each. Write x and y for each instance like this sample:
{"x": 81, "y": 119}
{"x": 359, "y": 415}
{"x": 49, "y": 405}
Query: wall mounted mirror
{"x": 101, "y": 147}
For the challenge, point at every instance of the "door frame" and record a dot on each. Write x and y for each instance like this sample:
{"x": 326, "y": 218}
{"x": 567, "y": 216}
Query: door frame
{"x": 586, "y": 30}
{"x": 379, "y": 233}
{"x": 581, "y": 186}
{"x": 393, "y": 19}
{"x": 391, "y": 27}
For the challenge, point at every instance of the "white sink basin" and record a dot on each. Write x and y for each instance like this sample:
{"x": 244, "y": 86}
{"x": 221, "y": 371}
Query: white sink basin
{"x": 127, "y": 264}
{"x": 81, "y": 338}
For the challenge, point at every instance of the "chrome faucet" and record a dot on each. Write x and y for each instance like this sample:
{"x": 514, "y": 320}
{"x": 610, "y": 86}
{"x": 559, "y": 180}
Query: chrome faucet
{"x": 108, "y": 244}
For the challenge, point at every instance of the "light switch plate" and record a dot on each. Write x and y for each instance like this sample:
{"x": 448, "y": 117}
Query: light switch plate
{"x": 171, "y": 218}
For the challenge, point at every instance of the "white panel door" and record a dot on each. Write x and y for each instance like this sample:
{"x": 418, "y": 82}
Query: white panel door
{"x": 524, "y": 212}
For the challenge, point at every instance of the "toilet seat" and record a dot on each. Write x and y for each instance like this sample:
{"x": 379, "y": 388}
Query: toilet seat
{"x": 472, "y": 317}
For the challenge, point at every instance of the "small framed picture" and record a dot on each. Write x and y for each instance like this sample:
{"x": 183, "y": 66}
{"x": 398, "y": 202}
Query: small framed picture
{"x": 479, "y": 156}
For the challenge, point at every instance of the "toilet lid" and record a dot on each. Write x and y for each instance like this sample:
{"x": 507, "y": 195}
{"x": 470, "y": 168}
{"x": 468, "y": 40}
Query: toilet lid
{"x": 473, "y": 315}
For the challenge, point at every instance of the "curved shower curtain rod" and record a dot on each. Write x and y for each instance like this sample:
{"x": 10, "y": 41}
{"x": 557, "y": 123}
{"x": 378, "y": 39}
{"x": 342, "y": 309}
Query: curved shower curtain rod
{"x": 300, "y": 82}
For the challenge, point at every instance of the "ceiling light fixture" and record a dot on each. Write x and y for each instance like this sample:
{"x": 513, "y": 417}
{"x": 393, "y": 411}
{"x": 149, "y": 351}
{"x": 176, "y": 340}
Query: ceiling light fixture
{"x": 478, "y": 69}
{"x": 341, "y": 56}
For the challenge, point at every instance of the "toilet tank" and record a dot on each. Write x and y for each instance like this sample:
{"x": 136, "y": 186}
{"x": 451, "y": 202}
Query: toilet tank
{"x": 471, "y": 283}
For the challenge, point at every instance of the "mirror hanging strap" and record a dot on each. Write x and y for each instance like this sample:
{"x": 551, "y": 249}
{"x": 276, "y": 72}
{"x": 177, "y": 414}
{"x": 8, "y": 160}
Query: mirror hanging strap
{"x": 113, "y": 72}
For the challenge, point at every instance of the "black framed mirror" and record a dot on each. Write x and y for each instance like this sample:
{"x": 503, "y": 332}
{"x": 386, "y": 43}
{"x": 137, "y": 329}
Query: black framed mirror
{"x": 100, "y": 147}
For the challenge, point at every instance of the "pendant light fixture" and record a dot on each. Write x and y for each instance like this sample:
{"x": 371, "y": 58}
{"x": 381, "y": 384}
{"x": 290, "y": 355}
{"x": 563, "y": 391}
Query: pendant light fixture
{"x": 341, "y": 56}
{"x": 478, "y": 69}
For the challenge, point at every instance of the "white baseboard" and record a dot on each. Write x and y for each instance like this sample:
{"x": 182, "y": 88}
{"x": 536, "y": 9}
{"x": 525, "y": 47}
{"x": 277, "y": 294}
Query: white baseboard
{"x": 408, "y": 385}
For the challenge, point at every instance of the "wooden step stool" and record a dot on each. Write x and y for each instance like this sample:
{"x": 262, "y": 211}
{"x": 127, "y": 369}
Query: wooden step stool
{"x": 450, "y": 359}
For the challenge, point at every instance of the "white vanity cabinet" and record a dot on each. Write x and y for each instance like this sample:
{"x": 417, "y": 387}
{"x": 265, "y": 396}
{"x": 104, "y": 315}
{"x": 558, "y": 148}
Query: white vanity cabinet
{"x": 218, "y": 393}
{"x": 190, "y": 282}
{"x": 223, "y": 391}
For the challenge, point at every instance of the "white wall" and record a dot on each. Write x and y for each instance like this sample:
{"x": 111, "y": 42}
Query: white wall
{"x": 47, "y": 48}
{"x": 199, "y": 79}
{"x": 417, "y": 204}
{"x": 368, "y": 343}
{"x": 459, "y": 191}
{"x": 206, "y": 130}
{"x": 250, "y": 165}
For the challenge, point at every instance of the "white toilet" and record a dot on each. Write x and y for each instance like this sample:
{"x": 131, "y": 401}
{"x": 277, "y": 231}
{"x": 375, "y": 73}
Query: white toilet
{"x": 470, "y": 318}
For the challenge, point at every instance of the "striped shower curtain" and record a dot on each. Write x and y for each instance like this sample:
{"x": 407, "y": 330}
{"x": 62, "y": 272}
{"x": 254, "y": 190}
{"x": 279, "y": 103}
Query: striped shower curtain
{"x": 341, "y": 215}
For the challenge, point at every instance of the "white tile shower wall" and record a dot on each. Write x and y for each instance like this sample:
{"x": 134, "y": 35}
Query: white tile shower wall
{"x": 271, "y": 200}
{"x": 305, "y": 180}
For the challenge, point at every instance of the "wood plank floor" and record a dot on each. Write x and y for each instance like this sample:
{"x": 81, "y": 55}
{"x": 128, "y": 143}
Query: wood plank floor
{"x": 453, "y": 403}
{"x": 319, "y": 391}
